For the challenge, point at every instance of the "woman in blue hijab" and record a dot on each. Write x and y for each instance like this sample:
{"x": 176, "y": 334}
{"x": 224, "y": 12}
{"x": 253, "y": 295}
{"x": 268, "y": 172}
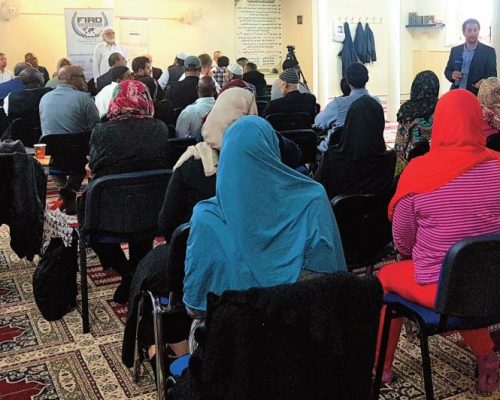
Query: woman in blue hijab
{"x": 266, "y": 224}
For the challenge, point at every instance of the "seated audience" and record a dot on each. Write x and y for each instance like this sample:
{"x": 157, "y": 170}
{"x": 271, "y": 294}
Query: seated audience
{"x": 141, "y": 68}
{"x": 415, "y": 118}
{"x": 118, "y": 74}
{"x": 31, "y": 59}
{"x": 293, "y": 101}
{"x": 13, "y": 85}
{"x": 193, "y": 116}
{"x": 333, "y": 116}
{"x": 253, "y": 76}
{"x": 5, "y": 74}
{"x": 489, "y": 98}
{"x": 344, "y": 87}
{"x": 114, "y": 60}
{"x": 360, "y": 164}
{"x": 155, "y": 72}
{"x": 426, "y": 223}
{"x": 24, "y": 104}
{"x": 260, "y": 205}
{"x": 54, "y": 81}
{"x": 131, "y": 141}
{"x": 65, "y": 110}
{"x": 185, "y": 92}
{"x": 242, "y": 62}
{"x": 206, "y": 69}
{"x": 275, "y": 89}
{"x": 220, "y": 72}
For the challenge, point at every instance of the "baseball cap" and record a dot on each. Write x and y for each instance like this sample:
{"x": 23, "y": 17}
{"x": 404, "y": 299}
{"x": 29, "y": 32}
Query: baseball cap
{"x": 192, "y": 62}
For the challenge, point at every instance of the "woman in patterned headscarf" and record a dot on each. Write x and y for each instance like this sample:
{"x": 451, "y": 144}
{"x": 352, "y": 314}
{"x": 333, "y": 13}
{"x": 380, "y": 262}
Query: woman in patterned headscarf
{"x": 489, "y": 98}
{"x": 131, "y": 141}
{"x": 415, "y": 119}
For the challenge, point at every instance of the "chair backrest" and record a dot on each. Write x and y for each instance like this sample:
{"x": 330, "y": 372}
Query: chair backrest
{"x": 68, "y": 150}
{"x": 177, "y": 146}
{"x": 269, "y": 88}
{"x": 469, "y": 285}
{"x": 176, "y": 258}
{"x": 292, "y": 341}
{"x": 261, "y": 104}
{"x": 126, "y": 205}
{"x": 307, "y": 140}
{"x": 289, "y": 122}
{"x": 364, "y": 227}
{"x": 28, "y": 132}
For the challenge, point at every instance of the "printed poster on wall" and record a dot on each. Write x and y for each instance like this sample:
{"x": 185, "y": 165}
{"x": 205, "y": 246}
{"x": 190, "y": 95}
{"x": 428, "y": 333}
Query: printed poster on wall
{"x": 259, "y": 32}
{"x": 83, "y": 33}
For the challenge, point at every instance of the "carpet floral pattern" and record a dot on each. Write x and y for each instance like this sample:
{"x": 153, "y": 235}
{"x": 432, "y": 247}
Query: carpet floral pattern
{"x": 44, "y": 360}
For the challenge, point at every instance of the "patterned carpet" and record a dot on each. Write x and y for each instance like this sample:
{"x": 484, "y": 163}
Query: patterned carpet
{"x": 43, "y": 360}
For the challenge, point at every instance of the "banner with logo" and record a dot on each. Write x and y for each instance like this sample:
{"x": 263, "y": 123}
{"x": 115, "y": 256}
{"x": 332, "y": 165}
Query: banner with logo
{"x": 83, "y": 33}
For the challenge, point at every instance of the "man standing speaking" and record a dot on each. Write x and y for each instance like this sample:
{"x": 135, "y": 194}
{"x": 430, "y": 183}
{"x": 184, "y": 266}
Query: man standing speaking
{"x": 471, "y": 62}
{"x": 103, "y": 50}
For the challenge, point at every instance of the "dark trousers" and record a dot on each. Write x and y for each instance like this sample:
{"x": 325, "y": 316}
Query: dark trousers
{"x": 112, "y": 256}
{"x": 73, "y": 182}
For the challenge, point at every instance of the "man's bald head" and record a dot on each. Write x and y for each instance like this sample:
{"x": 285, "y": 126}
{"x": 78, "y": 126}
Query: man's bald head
{"x": 73, "y": 75}
{"x": 206, "y": 87}
{"x": 31, "y": 78}
{"x": 19, "y": 67}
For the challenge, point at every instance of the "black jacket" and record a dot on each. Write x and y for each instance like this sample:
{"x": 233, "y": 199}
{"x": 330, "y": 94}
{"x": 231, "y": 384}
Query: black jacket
{"x": 483, "y": 65}
{"x": 370, "y": 45}
{"x": 157, "y": 73}
{"x": 183, "y": 93}
{"x": 308, "y": 340}
{"x": 257, "y": 79}
{"x": 103, "y": 80}
{"x": 24, "y": 104}
{"x": 361, "y": 44}
{"x": 133, "y": 145}
{"x": 348, "y": 53}
{"x": 44, "y": 72}
{"x": 22, "y": 201}
{"x": 292, "y": 102}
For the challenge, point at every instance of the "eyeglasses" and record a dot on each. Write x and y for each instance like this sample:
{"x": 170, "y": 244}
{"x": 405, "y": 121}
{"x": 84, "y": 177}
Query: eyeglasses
{"x": 78, "y": 76}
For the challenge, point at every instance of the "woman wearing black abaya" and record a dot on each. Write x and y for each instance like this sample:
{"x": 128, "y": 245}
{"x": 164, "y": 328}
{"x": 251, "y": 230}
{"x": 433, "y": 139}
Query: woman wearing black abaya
{"x": 360, "y": 164}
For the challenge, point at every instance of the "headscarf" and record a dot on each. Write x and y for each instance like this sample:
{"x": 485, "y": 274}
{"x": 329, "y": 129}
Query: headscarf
{"x": 457, "y": 146}
{"x": 423, "y": 98}
{"x": 489, "y": 98}
{"x": 131, "y": 99}
{"x": 361, "y": 164}
{"x": 265, "y": 224}
{"x": 230, "y": 105}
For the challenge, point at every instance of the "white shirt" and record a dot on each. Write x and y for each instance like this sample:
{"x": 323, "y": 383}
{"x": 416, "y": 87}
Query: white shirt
{"x": 192, "y": 117}
{"x": 100, "y": 62}
{"x": 6, "y": 75}
{"x": 104, "y": 97}
{"x": 164, "y": 78}
{"x": 6, "y": 104}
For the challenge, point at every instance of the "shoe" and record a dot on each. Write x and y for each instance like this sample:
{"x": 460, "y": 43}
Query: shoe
{"x": 68, "y": 197}
{"x": 488, "y": 373}
{"x": 122, "y": 292}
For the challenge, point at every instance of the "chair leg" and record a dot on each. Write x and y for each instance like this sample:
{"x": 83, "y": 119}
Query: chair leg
{"x": 82, "y": 249}
{"x": 381, "y": 353}
{"x": 136, "y": 372}
{"x": 160, "y": 348}
{"x": 426, "y": 363}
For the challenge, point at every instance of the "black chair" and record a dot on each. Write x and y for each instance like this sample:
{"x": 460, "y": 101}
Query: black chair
{"x": 28, "y": 132}
{"x": 266, "y": 98}
{"x": 177, "y": 112}
{"x": 365, "y": 230}
{"x": 269, "y": 88}
{"x": 119, "y": 208}
{"x": 468, "y": 297}
{"x": 290, "y": 122}
{"x": 69, "y": 152}
{"x": 307, "y": 140}
{"x": 261, "y": 105}
{"x": 161, "y": 306}
{"x": 177, "y": 147}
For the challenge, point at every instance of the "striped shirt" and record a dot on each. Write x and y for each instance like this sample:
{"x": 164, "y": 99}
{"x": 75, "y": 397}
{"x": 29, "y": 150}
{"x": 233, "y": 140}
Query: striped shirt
{"x": 426, "y": 225}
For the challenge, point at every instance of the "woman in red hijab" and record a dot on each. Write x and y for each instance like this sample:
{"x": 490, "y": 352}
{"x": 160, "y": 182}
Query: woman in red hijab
{"x": 448, "y": 194}
{"x": 131, "y": 141}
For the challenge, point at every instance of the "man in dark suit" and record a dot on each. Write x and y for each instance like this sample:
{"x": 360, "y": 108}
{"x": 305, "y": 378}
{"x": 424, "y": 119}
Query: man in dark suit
{"x": 185, "y": 92}
{"x": 471, "y": 62}
{"x": 292, "y": 101}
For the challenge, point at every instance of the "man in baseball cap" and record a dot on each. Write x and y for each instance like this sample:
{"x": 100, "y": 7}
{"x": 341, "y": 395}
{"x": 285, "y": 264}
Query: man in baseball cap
{"x": 185, "y": 92}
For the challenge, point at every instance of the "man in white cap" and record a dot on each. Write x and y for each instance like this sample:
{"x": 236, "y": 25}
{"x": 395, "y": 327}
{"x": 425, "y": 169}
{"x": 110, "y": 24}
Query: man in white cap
{"x": 103, "y": 50}
{"x": 174, "y": 71}
{"x": 234, "y": 75}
